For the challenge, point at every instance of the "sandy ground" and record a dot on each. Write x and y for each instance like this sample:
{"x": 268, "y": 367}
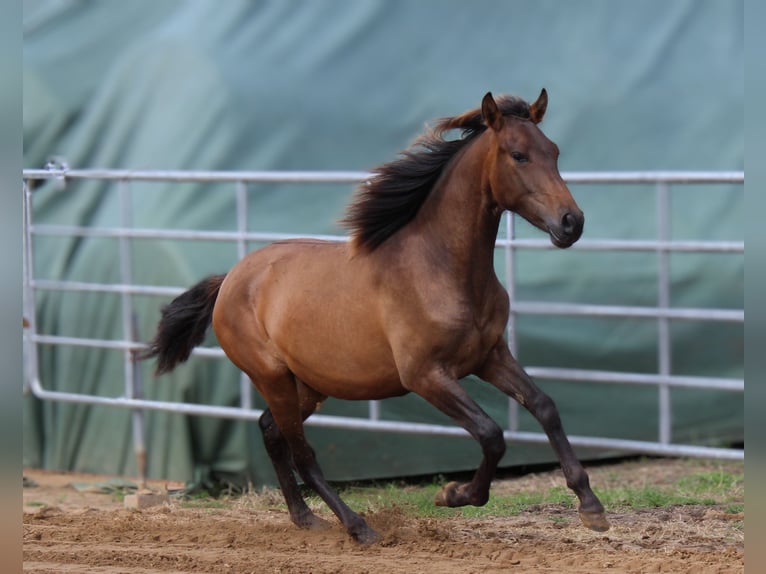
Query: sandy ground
{"x": 72, "y": 531}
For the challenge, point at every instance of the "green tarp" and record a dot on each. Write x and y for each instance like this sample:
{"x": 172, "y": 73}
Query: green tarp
{"x": 345, "y": 85}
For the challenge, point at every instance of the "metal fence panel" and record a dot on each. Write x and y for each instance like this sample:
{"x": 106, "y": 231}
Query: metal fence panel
{"x": 662, "y": 312}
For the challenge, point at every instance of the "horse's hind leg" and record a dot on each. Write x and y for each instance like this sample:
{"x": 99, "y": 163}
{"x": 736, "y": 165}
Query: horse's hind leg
{"x": 279, "y": 452}
{"x": 289, "y": 401}
{"x": 502, "y": 370}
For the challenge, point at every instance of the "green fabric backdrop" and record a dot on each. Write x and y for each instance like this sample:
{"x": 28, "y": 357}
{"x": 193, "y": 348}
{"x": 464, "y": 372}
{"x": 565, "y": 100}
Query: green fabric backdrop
{"x": 344, "y": 85}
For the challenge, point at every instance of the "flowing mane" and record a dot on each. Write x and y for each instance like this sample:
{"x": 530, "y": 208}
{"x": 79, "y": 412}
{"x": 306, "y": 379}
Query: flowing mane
{"x": 392, "y": 196}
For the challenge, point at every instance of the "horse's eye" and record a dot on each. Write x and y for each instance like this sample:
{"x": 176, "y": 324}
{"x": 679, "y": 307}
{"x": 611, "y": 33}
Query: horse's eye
{"x": 519, "y": 157}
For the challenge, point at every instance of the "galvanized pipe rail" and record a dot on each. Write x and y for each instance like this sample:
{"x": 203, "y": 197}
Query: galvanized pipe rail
{"x": 663, "y": 313}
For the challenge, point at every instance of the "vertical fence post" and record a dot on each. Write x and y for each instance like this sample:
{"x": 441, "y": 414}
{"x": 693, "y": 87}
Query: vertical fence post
{"x": 374, "y": 410}
{"x": 510, "y": 278}
{"x": 29, "y": 321}
{"x": 245, "y": 386}
{"x": 128, "y": 325}
{"x": 663, "y": 303}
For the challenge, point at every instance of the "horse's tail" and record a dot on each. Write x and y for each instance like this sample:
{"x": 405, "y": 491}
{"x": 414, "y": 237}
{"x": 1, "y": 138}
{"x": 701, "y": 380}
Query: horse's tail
{"x": 185, "y": 320}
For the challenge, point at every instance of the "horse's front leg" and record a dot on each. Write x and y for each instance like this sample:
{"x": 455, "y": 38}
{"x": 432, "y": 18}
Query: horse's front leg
{"x": 504, "y": 372}
{"x": 445, "y": 393}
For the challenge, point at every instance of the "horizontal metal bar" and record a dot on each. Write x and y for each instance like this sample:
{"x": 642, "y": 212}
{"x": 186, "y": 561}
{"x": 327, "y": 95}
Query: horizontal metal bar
{"x": 333, "y": 421}
{"x": 353, "y": 423}
{"x": 115, "y": 344}
{"x": 519, "y": 307}
{"x": 630, "y": 245}
{"x": 84, "y": 342}
{"x": 51, "y": 285}
{"x": 188, "y": 234}
{"x": 202, "y": 176}
{"x": 545, "y": 308}
{"x": 185, "y": 234}
{"x": 582, "y": 375}
{"x": 592, "y": 376}
{"x": 654, "y": 177}
{"x": 359, "y": 176}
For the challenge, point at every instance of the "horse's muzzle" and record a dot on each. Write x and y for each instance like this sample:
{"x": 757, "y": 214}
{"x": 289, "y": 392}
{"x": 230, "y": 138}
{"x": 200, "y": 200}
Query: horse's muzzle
{"x": 567, "y": 230}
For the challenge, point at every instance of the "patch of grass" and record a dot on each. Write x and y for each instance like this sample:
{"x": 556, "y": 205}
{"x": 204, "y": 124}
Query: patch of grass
{"x": 704, "y": 488}
{"x": 199, "y": 495}
{"x": 419, "y": 501}
{"x": 118, "y": 495}
{"x": 210, "y": 503}
{"x": 202, "y": 499}
{"x": 717, "y": 482}
{"x": 35, "y": 503}
{"x": 701, "y": 486}
{"x": 643, "y": 497}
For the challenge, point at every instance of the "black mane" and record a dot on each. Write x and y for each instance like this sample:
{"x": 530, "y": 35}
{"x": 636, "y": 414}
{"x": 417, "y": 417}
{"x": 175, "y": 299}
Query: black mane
{"x": 391, "y": 198}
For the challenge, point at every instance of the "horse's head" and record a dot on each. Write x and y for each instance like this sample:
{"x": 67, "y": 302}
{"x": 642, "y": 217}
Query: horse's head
{"x": 523, "y": 174}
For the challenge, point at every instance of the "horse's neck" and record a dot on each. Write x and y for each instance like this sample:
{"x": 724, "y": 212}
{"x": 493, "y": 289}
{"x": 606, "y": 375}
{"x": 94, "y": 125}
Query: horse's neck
{"x": 459, "y": 217}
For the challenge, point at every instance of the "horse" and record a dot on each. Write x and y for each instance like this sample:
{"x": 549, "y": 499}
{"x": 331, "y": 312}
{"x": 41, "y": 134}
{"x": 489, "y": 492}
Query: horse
{"x": 410, "y": 304}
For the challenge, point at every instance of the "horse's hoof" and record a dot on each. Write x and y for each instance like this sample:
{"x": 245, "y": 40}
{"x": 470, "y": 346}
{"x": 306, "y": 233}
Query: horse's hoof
{"x": 454, "y": 495}
{"x": 594, "y": 520}
{"x": 366, "y": 536}
{"x": 445, "y": 496}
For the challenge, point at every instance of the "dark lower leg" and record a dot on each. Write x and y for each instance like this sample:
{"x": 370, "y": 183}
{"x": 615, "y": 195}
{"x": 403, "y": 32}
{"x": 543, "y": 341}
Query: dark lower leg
{"x": 445, "y": 393}
{"x": 308, "y": 468}
{"x": 476, "y": 492}
{"x": 504, "y": 372}
{"x": 591, "y": 510}
{"x": 278, "y": 451}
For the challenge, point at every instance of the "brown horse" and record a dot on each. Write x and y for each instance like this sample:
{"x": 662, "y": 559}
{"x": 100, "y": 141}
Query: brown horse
{"x": 410, "y": 304}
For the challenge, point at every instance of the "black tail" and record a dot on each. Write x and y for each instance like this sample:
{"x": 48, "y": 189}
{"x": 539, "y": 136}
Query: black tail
{"x": 184, "y": 322}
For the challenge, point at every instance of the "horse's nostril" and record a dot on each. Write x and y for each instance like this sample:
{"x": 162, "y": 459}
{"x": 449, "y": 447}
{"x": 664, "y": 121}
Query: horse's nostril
{"x": 568, "y": 223}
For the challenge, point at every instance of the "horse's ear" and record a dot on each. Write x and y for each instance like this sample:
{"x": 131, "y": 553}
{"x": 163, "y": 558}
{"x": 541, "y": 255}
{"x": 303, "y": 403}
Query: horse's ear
{"x": 537, "y": 109}
{"x": 490, "y": 112}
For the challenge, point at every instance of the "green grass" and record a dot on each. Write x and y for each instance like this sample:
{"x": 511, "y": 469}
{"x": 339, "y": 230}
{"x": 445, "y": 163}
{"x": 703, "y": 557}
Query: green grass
{"x": 118, "y": 495}
{"x": 701, "y": 483}
{"x": 203, "y": 500}
{"x": 650, "y": 497}
{"x": 699, "y": 488}
{"x": 419, "y": 501}
{"x": 705, "y": 488}
{"x": 711, "y": 481}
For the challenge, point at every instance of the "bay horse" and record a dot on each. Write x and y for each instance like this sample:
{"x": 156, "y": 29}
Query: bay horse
{"x": 410, "y": 304}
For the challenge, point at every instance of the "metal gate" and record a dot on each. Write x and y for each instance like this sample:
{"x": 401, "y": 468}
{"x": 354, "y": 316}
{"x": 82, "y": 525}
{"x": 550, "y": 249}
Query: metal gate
{"x": 663, "y": 246}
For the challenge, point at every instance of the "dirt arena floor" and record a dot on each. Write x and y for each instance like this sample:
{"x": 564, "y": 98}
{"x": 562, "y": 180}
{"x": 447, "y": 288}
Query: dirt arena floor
{"x": 67, "y": 530}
